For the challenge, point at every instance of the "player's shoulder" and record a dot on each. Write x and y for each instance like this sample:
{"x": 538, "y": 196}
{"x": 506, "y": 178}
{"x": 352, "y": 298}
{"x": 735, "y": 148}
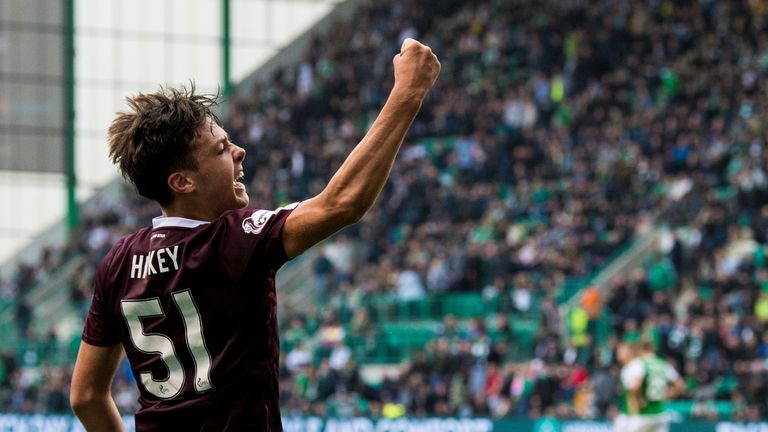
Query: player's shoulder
{"x": 253, "y": 220}
{"x": 634, "y": 366}
{"x": 120, "y": 250}
{"x": 657, "y": 361}
{"x": 129, "y": 241}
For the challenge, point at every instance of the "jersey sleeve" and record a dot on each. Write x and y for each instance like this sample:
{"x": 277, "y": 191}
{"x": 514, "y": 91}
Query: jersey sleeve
{"x": 672, "y": 374}
{"x": 632, "y": 373}
{"x": 100, "y": 327}
{"x": 253, "y": 238}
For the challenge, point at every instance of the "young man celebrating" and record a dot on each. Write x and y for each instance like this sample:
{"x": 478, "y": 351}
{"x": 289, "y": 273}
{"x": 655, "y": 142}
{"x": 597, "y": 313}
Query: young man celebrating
{"x": 191, "y": 300}
{"x": 647, "y": 381}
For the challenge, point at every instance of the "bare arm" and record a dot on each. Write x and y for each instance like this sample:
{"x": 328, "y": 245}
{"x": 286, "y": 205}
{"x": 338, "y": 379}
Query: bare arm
{"x": 677, "y": 389}
{"x": 632, "y": 380}
{"x": 91, "y": 396}
{"x": 633, "y": 400}
{"x": 355, "y": 186}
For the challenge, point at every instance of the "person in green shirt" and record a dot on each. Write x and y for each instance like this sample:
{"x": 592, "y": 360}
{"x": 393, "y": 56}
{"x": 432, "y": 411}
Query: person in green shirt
{"x": 647, "y": 381}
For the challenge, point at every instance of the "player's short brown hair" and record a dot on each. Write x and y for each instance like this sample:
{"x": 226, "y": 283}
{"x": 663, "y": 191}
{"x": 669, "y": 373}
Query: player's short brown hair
{"x": 156, "y": 137}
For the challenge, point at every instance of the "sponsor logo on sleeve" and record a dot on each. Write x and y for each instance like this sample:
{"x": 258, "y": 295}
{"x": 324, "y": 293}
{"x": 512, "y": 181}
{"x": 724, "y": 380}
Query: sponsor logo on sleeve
{"x": 256, "y": 222}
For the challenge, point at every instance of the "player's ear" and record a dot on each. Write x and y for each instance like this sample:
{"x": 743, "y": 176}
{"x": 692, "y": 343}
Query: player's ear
{"x": 180, "y": 182}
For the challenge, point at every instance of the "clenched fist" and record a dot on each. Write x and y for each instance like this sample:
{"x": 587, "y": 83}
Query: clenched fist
{"x": 416, "y": 69}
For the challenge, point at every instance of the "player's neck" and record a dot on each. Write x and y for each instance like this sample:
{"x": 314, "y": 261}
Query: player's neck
{"x": 188, "y": 211}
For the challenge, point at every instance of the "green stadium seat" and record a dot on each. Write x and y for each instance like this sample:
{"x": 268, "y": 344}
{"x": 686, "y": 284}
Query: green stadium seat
{"x": 463, "y": 305}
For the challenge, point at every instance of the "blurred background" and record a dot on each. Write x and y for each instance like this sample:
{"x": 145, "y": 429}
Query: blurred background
{"x": 585, "y": 172}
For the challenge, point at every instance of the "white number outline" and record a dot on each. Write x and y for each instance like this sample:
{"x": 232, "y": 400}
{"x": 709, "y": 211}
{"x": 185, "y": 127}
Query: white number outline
{"x": 193, "y": 334}
{"x": 656, "y": 388}
{"x": 656, "y": 383}
{"x": 156, "y": 343}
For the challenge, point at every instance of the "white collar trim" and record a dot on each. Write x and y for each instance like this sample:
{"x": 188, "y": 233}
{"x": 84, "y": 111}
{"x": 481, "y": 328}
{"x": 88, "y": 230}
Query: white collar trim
{"x": 173, "y": 221}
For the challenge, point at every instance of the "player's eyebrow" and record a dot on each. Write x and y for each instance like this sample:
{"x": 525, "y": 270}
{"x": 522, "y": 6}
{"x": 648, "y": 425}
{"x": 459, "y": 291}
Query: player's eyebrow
{"x": 220, "y": 142}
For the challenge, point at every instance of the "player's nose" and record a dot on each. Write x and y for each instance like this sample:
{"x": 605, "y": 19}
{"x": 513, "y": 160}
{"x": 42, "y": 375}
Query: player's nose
{"x": 239, "y": 153}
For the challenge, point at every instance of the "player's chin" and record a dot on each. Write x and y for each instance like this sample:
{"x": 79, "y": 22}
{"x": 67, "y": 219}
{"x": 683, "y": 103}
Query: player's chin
{"x": 241, "y": 198}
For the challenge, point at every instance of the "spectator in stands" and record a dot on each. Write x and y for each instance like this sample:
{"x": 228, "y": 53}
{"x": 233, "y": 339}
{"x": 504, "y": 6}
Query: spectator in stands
{"x": 561, "y": 130}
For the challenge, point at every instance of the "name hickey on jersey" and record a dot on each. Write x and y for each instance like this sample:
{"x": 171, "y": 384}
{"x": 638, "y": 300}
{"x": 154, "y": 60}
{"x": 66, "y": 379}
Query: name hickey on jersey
{"x": 155, "y": 261}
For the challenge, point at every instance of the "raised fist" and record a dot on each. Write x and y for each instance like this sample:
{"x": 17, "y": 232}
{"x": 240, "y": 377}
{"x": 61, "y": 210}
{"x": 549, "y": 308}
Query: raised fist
{"x": 416, "y": 69}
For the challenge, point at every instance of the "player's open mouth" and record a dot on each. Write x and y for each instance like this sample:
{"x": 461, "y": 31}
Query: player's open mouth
{"x": 237, "y": 184}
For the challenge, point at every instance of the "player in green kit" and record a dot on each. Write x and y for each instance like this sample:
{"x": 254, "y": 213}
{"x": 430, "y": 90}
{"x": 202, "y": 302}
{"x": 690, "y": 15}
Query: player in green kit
{"x": 647, "y": 381}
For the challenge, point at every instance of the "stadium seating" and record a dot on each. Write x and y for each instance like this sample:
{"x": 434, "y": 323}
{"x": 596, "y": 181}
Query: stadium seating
{"x": 559, "y": 133}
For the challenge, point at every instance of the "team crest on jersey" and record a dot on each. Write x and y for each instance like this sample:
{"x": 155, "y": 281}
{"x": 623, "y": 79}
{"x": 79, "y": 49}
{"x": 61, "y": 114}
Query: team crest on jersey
{"x": 255, "y": 223}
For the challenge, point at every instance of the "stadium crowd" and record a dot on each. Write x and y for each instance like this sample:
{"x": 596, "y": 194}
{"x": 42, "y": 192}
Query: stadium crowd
{"x": 557, "y": 132}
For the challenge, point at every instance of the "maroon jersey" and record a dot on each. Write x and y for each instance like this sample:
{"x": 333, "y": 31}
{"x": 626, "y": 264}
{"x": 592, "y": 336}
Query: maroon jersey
{"x": 193, "y": 304}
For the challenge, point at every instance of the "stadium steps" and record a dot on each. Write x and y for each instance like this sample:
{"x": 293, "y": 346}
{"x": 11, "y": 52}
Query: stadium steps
{"x": 295, "y": 281}
{"x": 52, "y": 308}
{"x": 631, "y": 256}
{"x": 52, "y": 298}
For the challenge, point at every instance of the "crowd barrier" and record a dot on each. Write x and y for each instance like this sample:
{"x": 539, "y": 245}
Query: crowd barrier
{"x": 68, "y": 423}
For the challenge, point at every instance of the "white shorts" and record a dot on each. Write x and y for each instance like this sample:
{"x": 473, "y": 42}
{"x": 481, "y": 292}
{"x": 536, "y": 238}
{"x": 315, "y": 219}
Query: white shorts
{"x": 642, "y": 423}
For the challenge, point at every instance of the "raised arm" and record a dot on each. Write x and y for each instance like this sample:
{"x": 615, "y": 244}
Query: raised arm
{"x": 355, "y": 186}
